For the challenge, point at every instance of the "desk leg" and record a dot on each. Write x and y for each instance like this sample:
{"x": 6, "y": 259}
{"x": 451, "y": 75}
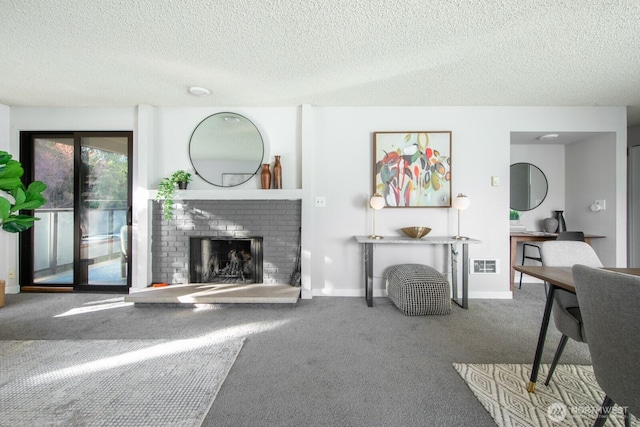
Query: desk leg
{"x": 368, "y": 273}
{"x": 541, "y": 338}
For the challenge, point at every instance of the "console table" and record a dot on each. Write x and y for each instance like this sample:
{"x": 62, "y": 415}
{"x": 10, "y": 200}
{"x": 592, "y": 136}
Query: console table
{"x": 367, "y": 243}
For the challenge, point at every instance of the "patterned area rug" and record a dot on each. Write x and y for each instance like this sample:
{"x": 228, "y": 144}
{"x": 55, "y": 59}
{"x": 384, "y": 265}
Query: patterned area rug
{"x": 112, "y": 382}
{"x": 572, "y": 398}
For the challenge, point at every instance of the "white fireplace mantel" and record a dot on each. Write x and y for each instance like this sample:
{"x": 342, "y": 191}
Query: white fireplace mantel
{"x": 284, "y": 194}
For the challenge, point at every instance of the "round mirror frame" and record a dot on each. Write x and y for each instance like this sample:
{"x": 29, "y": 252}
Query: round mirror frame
{"x": 226, "y": 157}
{"x": 530, "y": 206}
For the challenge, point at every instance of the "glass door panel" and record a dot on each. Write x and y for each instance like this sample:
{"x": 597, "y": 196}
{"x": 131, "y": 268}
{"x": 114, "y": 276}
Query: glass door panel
{"x": 53, "y": 233}
{"x": 103, "y": 210}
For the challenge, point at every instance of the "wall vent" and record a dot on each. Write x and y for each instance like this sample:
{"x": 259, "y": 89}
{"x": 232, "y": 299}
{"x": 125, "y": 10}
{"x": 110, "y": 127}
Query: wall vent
{"x": 485, "y": 266}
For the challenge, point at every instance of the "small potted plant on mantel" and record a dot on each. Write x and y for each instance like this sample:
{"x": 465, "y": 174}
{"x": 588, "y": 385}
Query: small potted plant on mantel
{"x": 167, "y": 188}
{"x": 14, "y": 197}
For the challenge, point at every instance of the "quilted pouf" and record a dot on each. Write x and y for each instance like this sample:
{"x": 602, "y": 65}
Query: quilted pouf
{"x": 418, "y": 290}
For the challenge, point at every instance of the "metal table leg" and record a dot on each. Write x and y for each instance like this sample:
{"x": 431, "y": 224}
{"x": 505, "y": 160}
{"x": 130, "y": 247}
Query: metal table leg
{"x": 463, "y": 300}
{"x": 541, "y": 338}
{"x": 368, "y": 277}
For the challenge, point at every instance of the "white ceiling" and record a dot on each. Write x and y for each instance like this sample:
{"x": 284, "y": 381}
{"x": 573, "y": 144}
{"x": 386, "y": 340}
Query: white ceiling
{"x": 321, "y": 52}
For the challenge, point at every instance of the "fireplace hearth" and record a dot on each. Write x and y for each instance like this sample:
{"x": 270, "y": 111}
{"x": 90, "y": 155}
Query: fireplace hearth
{"x": 225, "y": 260}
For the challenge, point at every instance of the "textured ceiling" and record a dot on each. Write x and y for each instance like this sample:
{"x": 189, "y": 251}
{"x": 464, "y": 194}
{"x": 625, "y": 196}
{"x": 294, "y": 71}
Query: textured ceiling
{"x": 321, "y": 52}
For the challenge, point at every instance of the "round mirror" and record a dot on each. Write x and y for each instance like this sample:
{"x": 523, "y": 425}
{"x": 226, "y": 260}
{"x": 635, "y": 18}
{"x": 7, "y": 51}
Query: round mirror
{"x": 226, "y": 149}
{"x": 528, "y": 187}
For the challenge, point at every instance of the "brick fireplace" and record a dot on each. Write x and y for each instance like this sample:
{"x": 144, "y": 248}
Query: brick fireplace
{"x": 276, "y": 222}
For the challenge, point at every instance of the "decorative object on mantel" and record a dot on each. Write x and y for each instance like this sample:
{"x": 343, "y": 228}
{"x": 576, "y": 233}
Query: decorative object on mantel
{"x": 265, "y": 177}
{"x": 413, "y": 169}
{"x": 376, "y": 202}
{"x": 416, "y": 232}
{"x": 461, "y": 202}
{"x": 277, "y": 174}
{"x": 182, "y": 178}
{"x": 15, "y": 197}
{"x": 559, "y": 215}
{"x": 550, "y": 225}
{"x": 167, "y": 188}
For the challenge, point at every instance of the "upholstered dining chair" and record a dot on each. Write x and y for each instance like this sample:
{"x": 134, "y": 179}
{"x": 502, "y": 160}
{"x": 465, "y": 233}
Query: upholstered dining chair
{"x": 609, "y": 305}
{"x": 566, "y": 310}
{"x": 563, "y": 235}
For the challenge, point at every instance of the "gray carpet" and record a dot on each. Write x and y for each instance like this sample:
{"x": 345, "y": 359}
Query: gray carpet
{"x": 572, "y": 398}
{"x": 112, "y": 382}
{"x": 325, "y": 362}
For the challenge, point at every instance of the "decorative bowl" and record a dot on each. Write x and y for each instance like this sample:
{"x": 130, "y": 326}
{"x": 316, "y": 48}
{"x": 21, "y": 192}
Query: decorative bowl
{"x": 416, "y": 232}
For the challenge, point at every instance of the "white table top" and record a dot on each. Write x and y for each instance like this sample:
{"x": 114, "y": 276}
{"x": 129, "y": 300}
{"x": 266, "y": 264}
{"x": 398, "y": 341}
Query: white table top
{"x": 426, "y": 240}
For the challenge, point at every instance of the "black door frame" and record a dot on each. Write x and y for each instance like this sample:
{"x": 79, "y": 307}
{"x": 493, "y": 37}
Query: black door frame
{"x": 26, "y": 241}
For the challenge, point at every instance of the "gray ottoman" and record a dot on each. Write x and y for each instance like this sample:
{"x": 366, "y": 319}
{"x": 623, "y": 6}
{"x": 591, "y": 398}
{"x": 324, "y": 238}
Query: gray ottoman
{"x": 418, "y": 289}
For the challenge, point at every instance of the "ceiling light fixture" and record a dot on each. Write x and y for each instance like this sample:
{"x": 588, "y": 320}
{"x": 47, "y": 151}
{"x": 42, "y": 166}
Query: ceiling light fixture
{"x": 231, "y": 119}
{"x": 548, "y": 136}
{"x": 199, "y": 91}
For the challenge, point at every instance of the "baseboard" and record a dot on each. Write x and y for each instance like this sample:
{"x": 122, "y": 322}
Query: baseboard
{"x": 491, "y": 295}
{"x": 383, "y": 293}
{"x": 328, "y": 292}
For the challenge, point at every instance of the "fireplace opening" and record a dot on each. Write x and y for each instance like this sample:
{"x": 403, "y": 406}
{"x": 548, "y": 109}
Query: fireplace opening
{"x": 225, "y": 260}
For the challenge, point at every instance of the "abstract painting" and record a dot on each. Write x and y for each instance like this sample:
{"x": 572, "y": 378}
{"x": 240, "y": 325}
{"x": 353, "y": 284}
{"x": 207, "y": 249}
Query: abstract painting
{"x": 413, "y": 169}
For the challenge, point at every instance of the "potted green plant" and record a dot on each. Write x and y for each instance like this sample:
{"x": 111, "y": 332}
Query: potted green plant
{"x": 14, "y": 197}
{"x": 181, "y": 178}
{"x": 167, "y": 188}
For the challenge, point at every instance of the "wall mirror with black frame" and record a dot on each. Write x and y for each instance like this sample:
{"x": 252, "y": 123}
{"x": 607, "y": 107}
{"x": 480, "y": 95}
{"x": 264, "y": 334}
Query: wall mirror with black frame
{"x": 226, "y": 149}
{"x": 528, "y": 187}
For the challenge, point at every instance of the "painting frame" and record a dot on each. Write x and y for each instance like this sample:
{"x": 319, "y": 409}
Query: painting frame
{"x": 412, "y": 169}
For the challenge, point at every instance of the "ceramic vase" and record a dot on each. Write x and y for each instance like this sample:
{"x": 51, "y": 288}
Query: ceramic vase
{"x": 277, "y": 174}
{"x": 265, "y": 177}
{"x": 559, "y": 215}
{"x": 550, "y": 225}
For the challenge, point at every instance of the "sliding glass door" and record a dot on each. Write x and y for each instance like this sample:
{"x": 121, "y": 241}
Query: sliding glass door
{"x": 82, "y": 240}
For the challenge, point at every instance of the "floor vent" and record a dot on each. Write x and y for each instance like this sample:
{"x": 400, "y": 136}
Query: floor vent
{"x": 485, "y": 266}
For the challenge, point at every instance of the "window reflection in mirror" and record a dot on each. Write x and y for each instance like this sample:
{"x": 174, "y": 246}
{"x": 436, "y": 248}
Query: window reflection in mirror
{"x": 528, "y": 187}
{"x": 226, "y": 149}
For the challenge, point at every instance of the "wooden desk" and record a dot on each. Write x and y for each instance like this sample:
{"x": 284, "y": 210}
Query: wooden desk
{"x": 462, "y": 301}
{"x": 558, "y": 278}
{"x": 532, "y": 236}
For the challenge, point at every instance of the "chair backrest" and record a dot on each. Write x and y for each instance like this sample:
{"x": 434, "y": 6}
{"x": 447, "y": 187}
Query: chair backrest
{"x": 566, "y": 253}
{"x": 571, "y": 235}
{"x": 609, "y": 306}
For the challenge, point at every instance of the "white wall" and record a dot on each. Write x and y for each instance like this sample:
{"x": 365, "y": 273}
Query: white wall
{"x": 590, "y": 171}
{"x": 342, "y": 157}
{"x": 8, "y": 241}
{"x": 337, "y": 145}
